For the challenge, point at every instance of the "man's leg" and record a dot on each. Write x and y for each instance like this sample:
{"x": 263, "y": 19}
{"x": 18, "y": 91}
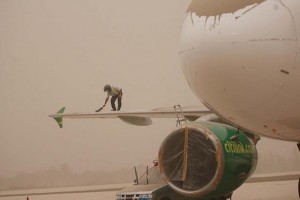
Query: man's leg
{"x": 119, "y": 102}
{"x": 112, "y": 101}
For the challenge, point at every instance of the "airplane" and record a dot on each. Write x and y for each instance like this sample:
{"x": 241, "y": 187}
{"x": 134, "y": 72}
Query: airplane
{"x": 241, "y": 59}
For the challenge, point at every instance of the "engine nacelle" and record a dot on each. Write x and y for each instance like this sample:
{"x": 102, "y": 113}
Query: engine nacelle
{"x": 206, "y": 159}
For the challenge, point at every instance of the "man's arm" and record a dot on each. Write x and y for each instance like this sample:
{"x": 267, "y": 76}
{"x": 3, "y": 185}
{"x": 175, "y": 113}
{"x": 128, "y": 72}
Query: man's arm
{"x": 103, "y": 105}
{"x": 106, "y": 100}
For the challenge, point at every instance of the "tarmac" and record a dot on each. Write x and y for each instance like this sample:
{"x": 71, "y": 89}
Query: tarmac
{"x": 283, "y": 186}
{"x": 274, "y": 190}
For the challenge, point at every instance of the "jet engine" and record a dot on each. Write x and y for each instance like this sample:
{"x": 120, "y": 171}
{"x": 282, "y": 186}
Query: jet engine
{"x": 207, "y": 159}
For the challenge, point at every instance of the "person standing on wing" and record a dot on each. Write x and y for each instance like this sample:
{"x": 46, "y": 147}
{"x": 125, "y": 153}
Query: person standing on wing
{"x": 115, "y": 94}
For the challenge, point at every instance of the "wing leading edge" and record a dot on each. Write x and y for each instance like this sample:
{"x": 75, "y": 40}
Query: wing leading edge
{"x": 138, "y": 118}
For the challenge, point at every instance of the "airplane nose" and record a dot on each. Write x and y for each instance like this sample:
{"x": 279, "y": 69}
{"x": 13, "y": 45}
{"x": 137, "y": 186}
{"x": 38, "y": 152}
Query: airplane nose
{"x": 240, "y": 58}
{"x": 229, "y": 48}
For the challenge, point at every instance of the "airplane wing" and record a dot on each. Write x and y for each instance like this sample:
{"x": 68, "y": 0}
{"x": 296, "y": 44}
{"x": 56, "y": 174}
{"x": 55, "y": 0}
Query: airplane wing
{"x": 139, "y": 118}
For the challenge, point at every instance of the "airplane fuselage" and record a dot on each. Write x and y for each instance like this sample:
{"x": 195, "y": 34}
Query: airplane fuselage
{"x": 241, "y": 59}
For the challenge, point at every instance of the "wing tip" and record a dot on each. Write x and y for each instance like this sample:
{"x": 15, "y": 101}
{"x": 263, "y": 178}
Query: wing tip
{"x": 59, "y": 120}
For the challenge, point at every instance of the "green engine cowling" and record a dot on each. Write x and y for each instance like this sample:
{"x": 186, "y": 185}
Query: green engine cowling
{"x": 207, "y": 159}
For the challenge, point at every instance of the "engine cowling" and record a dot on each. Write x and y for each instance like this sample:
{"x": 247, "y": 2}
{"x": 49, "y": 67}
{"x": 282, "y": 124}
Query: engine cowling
{"x": 206, "y": 159}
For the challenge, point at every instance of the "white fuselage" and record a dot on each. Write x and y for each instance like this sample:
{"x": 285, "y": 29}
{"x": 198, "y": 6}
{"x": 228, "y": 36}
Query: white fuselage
{"x": 242, "y": 60}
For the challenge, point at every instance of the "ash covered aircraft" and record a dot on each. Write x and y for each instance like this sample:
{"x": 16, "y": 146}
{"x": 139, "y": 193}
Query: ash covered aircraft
{"x": 241, "y": 58}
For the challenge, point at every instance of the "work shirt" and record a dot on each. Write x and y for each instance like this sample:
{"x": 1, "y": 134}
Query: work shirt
{"x": 114, "y": 91}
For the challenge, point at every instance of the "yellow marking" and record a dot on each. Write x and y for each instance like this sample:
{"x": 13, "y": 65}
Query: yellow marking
{"x": 234, "y": 147}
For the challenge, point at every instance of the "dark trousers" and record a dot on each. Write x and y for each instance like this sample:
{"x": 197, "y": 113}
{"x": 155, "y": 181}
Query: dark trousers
{"x": 113, "y": 100}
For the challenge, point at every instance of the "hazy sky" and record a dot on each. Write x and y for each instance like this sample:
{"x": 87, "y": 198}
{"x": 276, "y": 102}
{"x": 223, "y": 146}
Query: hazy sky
{"x": 56, "y": 53}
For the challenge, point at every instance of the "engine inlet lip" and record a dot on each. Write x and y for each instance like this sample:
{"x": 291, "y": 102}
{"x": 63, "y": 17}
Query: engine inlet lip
{"x": 219, "y": 170}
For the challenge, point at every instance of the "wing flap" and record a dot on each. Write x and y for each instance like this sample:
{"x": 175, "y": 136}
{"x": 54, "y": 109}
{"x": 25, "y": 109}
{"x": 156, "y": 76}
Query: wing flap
{"x": 137, "y": 121}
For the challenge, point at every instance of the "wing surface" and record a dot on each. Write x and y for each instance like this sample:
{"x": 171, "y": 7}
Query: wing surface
{"x": 139, "y": 118}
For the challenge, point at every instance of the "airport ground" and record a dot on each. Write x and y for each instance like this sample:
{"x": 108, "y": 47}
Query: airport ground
{"x": 275, "y": 190}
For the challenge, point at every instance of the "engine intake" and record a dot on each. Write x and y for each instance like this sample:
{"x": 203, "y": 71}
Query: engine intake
{"x": 202, "y": 159}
